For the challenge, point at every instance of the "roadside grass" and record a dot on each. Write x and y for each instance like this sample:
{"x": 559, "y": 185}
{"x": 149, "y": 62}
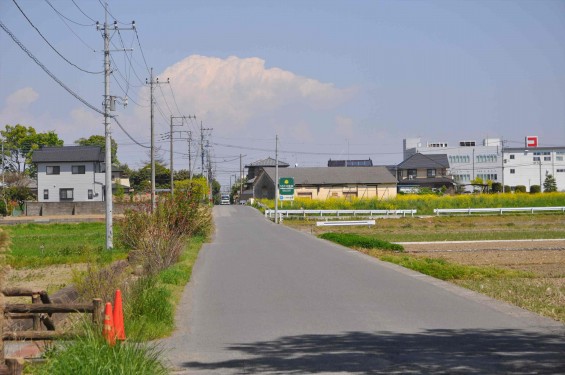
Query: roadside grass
{"x": 358, "y": 241}
{"x": 150, "y": 312}
{"x": 89, "y": 354}
{"x": 454, "y": 228}
{"x": 39, "y": 245}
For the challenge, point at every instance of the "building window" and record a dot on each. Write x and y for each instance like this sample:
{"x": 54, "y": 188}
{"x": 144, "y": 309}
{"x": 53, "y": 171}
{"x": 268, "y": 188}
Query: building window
{"x": 536, "y": 158}
{"x": 90, "y": 194}
{"x": 46, "y": 194}
{"x": 512, "y": 171}
{"x": 547, "y": 158}
{"x": 511, "y": 156}
{"x": 53, "y": 169}
{"x": 78, "y": 169}
{"x": 560, "y": 170}
{"x": 411, "y": 173}
{"x": 431, "y": 173}
{"x": 66, "y": 194}
{"x": 559, "y": 158}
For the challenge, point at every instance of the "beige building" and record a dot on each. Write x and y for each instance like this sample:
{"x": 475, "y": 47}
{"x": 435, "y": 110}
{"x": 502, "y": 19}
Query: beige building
{"x": 324, "y": 183}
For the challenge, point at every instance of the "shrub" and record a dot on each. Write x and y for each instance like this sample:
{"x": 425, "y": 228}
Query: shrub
{"x": 520, "y": 189}
{"x": 496, "y": 187}
{"x": 535, "y": 189}
{"x": 160, "y": 236}
{"x": 101, "y": 281}
{"x": 355, "y": 240}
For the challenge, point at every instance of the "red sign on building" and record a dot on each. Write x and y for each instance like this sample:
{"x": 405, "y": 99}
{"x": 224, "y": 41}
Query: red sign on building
{"x": 532, "y": 141}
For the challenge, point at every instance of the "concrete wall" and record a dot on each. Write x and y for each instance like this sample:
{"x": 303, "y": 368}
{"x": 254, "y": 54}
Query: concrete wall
{"x": 72, "y": 208}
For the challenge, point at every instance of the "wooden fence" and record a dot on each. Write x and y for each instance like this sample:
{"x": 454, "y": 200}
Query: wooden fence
{"x": 40, "y": 312}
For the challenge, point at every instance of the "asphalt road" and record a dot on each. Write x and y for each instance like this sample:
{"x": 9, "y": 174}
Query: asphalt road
{"x": 268, "y": 299}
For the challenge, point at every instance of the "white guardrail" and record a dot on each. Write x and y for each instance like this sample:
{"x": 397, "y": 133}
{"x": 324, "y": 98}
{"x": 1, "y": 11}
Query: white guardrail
{"x": 501, "y": 210}
{"x": 338, "y": 213}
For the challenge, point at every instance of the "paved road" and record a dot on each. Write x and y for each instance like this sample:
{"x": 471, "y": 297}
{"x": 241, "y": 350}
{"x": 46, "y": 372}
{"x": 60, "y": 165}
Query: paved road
{"x": 268, "y": 299}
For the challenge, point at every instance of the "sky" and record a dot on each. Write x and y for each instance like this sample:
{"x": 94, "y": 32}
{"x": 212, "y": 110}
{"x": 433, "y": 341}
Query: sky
{"x": 333, "y": 79}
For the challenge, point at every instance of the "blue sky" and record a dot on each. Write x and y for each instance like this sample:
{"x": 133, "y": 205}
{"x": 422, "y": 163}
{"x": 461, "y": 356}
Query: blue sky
{"x": 331, "y": 78}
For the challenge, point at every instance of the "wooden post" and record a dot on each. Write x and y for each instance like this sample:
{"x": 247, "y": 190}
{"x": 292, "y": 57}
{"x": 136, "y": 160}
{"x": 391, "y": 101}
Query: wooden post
{"x": 97, "y": 311}
{"x": 35, "y": 299}
{"x": 15, "y": 366}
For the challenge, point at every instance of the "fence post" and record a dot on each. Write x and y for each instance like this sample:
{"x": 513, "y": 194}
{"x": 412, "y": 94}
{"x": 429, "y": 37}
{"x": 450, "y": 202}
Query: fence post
{"x": 97, "y": 311}
{"x": 35, "y": 299}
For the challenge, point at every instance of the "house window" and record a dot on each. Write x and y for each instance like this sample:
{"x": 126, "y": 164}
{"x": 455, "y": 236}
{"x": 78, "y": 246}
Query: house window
{"x": 46, "y": 194}
{"x": 78, "y": 169}
{"x": 536, "y": 158}
{"x": 53, "y": 169}
{"x": 431, "y": 173}
{"x": 547, "y": 158}
{"x": 512, "y": 171}
{"x": 90, "y": 194}
{"x": 411, "y": 173}
{"x": 66, "y": 194}
{"x": 560, "y": 170}
{"x": 511, "y": 156}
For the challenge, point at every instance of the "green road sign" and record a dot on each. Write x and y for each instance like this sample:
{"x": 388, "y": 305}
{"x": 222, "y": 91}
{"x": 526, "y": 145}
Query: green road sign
{"x": 286, "y": 186}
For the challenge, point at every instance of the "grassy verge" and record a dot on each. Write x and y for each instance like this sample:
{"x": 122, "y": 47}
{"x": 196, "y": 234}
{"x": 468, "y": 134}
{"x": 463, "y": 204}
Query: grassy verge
{"x": 39, "y": 245}
{"x": 358, "y": 241}
{"x": 472, "y": 228}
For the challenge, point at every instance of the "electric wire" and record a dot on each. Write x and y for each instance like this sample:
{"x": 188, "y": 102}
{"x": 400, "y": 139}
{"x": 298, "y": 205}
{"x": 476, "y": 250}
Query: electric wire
{"x": 128, "y": 135}
{"x": 49, "y": 44}
{"x": 86, "y": 15}
{"x": 67, "y": 18}
{"x": 28, "y": 52}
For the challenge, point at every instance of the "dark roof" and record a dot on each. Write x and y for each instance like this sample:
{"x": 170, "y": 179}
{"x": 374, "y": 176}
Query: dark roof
{"x": 335, "y": 175}
{"x": 426, "y": 181}
{"x": 425, "y": 161}
{"x": 269, "y": 162}
{"x": 67, "y": 154}
{"x": 350, "y": 163}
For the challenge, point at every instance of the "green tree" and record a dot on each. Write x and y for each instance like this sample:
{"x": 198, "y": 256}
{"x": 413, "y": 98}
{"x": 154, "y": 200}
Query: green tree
{"x": 141, "y": 179}
{"x": 549, "y": 185}
{"x": 216, "y": 194}
{"x": 100, "y": 141}
{"x": 19, "y": 144}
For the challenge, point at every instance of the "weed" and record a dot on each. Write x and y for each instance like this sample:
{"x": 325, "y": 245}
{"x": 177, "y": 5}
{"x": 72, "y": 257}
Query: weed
{"x": 358, "y": 241}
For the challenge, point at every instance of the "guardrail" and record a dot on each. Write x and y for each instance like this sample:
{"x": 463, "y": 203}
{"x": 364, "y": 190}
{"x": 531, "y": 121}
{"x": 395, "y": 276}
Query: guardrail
{"x": 344, "y": 222}
{"x": 498, "y": 210}
{"x": 337, "y": 213}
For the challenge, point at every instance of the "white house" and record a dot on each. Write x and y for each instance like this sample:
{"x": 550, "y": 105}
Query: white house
{"x": 70, "y": 173}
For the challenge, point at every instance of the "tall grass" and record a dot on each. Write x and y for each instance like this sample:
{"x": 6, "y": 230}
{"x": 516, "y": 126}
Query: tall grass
{"x": 358, "y": 241}
{"x": 89, "y": 354}
{"x": 425, "y": 204}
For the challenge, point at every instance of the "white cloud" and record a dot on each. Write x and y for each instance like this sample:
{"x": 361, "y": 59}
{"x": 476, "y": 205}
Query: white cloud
{"x": 21, "y": 99}
{"x": 231, "y": 93}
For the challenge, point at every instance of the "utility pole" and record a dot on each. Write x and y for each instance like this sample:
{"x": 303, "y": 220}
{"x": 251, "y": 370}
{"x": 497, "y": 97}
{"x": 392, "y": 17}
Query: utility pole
{"x": 108, "y": 105}
{"x": 171, "y": 138}
{"x": 502, "y": 154}
{"x": 152, "y": 83}
{"x": 202, "y": 129}
{"x": 276, "y": 179}
{"x": 189, "y": 154}
{"x": 240, "y": 177}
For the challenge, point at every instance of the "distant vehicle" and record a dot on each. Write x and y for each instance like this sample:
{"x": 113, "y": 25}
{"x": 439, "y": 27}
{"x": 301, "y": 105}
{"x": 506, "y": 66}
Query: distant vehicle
{"x": 243, "y": 202}
{"x": 225, "y": 199}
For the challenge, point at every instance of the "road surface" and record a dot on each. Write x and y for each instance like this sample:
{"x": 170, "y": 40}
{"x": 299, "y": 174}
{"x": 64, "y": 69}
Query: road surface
{"x": 266, "y": 299}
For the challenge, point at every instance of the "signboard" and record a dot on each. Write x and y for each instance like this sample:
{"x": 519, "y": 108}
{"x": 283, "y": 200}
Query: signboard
{"x": 531, "y": 141}
{"x": 286, "y": 186}
{"x": 286, "y": 197}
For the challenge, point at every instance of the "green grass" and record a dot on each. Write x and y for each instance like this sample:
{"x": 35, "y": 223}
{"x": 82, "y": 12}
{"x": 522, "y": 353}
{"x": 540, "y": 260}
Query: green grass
{"x": 91, "y": 355}
{"x": 37, "y": 245}
{"x": 444, "y": 270}
{"x": 358, "y": 241}
{"x": 150, "y": 312}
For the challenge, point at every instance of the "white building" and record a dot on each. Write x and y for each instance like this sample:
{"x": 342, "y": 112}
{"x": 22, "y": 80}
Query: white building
{"x": 71, "y": 173}
{"x": 467, "y": 159}
{"x": 529, "y": 166}
{"x": 512, "y": 166}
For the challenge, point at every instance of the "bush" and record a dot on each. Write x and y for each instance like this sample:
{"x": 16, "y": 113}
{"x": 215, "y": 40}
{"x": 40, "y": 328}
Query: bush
{"x": 355, "y": 240}
{"x": 535, "y": 189}
{"x": 160, "y": 236}
{"x": 520, "y": 189}
{"x": 496, "y": 187}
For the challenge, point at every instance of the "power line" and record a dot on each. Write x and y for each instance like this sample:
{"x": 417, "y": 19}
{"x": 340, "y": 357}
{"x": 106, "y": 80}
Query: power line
{"x": 50, "y": 45}
{"x": 67, "y": 18}
{"x": 86, "y": 15}
{"x": 47, "y": 70}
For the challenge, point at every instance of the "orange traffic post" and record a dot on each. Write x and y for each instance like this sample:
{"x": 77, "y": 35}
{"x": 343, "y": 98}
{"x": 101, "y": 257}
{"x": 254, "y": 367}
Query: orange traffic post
{"x": 108, "y": 331}
{"x": 119, "y": 316}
